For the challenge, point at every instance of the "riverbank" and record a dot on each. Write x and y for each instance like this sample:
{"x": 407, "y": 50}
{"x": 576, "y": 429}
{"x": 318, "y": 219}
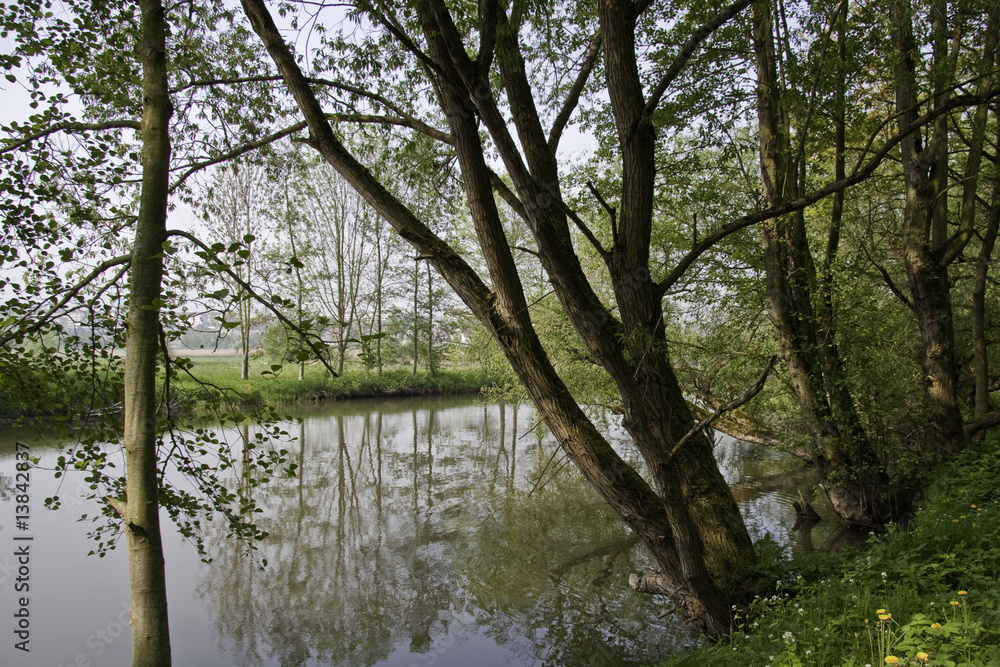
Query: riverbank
{"x": 210, "y": 379}
{"x": 928, "y": 594}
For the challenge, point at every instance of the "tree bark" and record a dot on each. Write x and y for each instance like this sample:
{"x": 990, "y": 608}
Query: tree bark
{"x": 147, "y": 583}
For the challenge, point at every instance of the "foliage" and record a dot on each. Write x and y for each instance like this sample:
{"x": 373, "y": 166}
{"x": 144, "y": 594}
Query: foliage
{"x": 927, "y": 593}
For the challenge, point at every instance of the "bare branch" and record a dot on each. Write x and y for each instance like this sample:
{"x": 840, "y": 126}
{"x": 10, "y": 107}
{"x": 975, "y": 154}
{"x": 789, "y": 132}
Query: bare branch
{"x": 727, "y": 406}
{"x": 887, "y": 279}
{"x": 237, "y": 152}
{"x": 117, "y": 505}
{"x": 607, "y": 207}
{"x": 593, "y": 51}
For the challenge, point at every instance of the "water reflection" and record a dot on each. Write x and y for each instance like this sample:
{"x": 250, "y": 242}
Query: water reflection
{"x": 418, "y": 533}
{"x": 409, "y": 538}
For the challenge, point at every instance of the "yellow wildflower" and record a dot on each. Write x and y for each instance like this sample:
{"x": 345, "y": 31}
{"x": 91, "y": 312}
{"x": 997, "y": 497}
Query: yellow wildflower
{"x": 922, "y": 656}
{"x": 972, "y": 506}
{"x": 884, "y": 617}
{"x": 962, "y": 517}
{"x": 880, "y": 611}
{"x": 891, "y": 660}
{"x": 963, "y": 592}
{"x": 954, "y": 520}
{"x": 955, "y": 603}
{"x": 935, "y": 625}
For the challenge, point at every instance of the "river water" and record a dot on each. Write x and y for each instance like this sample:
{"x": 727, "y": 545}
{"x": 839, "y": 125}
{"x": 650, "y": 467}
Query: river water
{"x": 418, "y": 532}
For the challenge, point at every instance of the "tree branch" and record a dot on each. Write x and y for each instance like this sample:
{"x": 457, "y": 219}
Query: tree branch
{"x": 611, "y": 211}
{"x": 727, "y": 406}
{"x": 462, "y": 277}
{"x": 70, "y": 127}
{"x": 688, "y": 50}
{"x": 887, "y": 279}
{"x": 985, "y": 423}
{"x": 593, "y": 51}
{"x": 236, "y": 152}
{"x": 44, "y": 319}
{"x": 213, "y": 257}
{"x": 860, "y": 174}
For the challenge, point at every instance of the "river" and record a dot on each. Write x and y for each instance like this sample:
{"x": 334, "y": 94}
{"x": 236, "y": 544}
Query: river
{"x": 419, "y": 532}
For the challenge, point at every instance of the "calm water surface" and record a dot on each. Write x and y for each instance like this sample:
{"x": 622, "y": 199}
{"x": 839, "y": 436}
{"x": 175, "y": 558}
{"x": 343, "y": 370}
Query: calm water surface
{"x": 425, "y": 532}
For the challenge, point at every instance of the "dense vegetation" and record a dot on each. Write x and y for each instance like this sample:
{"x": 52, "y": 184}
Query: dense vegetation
{"x": 924, "y": 594}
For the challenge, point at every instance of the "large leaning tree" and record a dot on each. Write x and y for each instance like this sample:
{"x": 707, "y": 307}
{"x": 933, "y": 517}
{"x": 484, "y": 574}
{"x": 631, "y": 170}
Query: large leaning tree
{"x": 497, "y": 86}
{"x": 488, "y": 86}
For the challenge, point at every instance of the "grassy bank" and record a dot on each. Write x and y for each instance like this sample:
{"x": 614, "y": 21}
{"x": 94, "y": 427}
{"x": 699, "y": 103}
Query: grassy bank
{"x": 208, "y": 376}
{"x": 925, "y": 595}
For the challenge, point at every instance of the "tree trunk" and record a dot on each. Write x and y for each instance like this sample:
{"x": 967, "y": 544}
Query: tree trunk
{"x": 979, "y": 342}
{"x": 147, "y": 584}
{"x": 416, "y": 323}
{"x": 800, "y": 306}
{"x": 926, "y": 270}
{"x": 432, "y": 361}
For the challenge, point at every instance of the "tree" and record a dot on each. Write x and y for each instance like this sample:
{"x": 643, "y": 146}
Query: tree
{"x": 690, "y": 522}
{"x": 928, "y": 249}
{"x": 83, "y": 192}
{"x": 237, "y": 201}
{"x": 140, "y": 509}
{"x": 799, "y": 297}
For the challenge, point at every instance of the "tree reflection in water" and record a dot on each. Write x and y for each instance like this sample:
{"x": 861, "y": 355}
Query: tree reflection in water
{"x": 410, "y": 538}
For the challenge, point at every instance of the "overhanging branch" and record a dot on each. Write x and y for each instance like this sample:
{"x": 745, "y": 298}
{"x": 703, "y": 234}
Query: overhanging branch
{"x": 69, "y": 127}
{"x": 861, "y": 173}
{"x": 47, "y": 316}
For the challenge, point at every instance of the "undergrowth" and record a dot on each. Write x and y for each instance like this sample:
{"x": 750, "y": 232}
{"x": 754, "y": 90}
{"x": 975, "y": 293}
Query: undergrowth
{"x": 928, "y": 594}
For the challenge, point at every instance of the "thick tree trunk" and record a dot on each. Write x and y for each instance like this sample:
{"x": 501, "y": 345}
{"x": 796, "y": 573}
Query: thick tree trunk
{"x": 147, "y": 585}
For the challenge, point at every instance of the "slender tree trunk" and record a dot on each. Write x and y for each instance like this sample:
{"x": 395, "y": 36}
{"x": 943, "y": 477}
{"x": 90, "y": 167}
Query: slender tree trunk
{"x": 800, "y": 306}
{"x": 432, "y": 362}
{"x": 416, "y": 324}
{"x": 147, "y": 583}
{"x": 379, "y": 286}
{"x": 979, "y": 342}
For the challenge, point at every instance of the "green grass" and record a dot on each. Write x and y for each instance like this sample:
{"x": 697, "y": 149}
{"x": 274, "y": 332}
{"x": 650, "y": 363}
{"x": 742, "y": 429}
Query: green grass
{"x": 283, "y": 388}
{"x": 925, "y": 595}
